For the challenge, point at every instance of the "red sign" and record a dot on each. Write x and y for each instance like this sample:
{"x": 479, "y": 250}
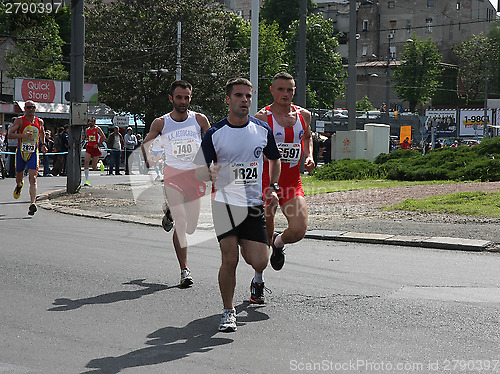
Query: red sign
{"x": 40, "y": 91}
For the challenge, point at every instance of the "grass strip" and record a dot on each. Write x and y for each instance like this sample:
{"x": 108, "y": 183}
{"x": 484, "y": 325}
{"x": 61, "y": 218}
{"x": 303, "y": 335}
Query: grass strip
{"x": 313, "y": 186}
{"x": 478, "y": 204}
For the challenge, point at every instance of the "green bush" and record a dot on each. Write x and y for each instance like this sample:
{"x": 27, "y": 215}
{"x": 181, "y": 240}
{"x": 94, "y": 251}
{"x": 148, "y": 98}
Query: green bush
{"x": 347, "y": 169}
{"x": 463, "y": 163}
{"x": 489, "y": 147}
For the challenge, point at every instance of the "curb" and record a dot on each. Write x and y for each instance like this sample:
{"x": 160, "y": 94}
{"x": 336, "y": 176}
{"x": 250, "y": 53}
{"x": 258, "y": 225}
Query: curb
{"x": 446, "y": 243}
{"x": 456, "y": 244}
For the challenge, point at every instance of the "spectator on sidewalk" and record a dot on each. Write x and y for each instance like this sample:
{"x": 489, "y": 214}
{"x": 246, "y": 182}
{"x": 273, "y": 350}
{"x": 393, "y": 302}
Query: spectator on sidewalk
{"x": 115, "y": 145}
{"x": 59, "y": 159}
{"x": 49, "y": 142}
{"x": 130, "y": 144}
{"x": 406, "y": 143}
{"x": 65, "y": 148}
{"x": 138, "y": 156}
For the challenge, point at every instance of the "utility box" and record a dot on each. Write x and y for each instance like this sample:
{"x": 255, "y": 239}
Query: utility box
{"x": 377, "y": 140}
{"x": 349, "y": 144}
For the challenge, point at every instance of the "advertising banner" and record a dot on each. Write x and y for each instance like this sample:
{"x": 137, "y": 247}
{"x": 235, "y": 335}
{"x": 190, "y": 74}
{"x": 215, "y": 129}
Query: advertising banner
{"x": 443, "y": 120}
{"x": 89, "y": 93}
{"x": 404, "y": 132}
{"x": 49, "y": 91}
{"x": 471, "y": 121}
{"x": 38, "y": 90}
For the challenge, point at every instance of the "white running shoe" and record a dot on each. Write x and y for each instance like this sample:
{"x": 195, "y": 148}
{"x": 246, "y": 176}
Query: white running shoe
{"x": 228, "y": 321}
{"x": 186, "y": 278}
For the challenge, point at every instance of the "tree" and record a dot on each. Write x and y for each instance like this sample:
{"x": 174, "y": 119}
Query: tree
{"x": 325, "y": 72}
{"x": 283, "y": 12}
{"x": 272, "y": 49}
{"x": 417, "y": 78}
{"x": 38, "y": 42}
{"x": 364, "y": 105}
{"x": 494, "y": 36}
{"x": 477, "y": 59}
{"x": 132, "y": 51}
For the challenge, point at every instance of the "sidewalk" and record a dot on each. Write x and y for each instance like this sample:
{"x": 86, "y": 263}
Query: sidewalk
{"x": 140, "y": 201}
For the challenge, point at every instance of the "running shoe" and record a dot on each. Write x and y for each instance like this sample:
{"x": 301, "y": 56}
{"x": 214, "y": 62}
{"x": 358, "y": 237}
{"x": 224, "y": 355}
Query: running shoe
{"x": 32, "y": 209}
{"x": 167, "y": 221}
{"x": 257, "y": 292}
{"x": 228, "y": 321}
{"x": 17, "y": 190}
{"x": 87, "y": 183}
{"x": 186, "y": 278}
{"x": 278, "y": 255}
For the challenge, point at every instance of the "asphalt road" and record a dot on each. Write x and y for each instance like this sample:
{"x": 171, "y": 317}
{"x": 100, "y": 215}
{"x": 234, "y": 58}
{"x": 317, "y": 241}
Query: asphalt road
{"x": 81, "y": 295}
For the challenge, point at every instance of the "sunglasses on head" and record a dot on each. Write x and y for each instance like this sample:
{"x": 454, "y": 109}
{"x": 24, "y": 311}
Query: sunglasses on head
{"x": 30, "y": 107}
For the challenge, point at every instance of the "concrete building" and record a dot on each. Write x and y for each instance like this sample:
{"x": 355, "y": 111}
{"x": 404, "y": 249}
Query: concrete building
{"x": 383, "y": 26}
{"x": 242, "y": 8}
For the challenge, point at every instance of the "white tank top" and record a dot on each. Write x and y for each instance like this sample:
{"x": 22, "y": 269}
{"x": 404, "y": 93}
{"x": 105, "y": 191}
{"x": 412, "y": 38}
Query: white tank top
{"x": 181, "y": 141}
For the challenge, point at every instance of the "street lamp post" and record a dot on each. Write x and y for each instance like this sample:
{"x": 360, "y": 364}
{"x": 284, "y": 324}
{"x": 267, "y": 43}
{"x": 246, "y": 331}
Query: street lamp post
{"x": 388, "y": 80}
{"x": 351, "y": 68}
{"x": 300, "y": 91}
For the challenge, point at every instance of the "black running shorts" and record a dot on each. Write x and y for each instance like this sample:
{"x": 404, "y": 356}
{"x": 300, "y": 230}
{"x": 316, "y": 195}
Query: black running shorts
{"x": 245, "y": 222}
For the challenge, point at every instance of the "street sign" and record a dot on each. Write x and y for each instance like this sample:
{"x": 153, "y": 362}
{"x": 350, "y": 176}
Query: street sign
{"x": 121, "y": 121}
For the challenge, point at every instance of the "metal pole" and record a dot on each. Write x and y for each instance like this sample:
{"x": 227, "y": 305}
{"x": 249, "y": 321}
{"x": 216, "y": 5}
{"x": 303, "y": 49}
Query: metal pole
{"x": 486, "y": 133}
{"x": 254, "y": 57}
{"x": 388, "y": 81}
{"x": 178, "y": 68}
{"x": 76, "y": 93}
{"x": 300, "y": 93}
{"x": 351, "y": 68}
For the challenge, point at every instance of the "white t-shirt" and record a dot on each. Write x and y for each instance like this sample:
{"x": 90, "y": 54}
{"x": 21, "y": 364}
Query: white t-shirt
{"x": 239, "y": 150}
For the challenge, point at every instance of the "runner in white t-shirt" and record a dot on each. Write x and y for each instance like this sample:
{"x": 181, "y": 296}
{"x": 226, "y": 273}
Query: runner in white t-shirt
{"x": 237, "y": 145}
{"x": 180, "y": 131}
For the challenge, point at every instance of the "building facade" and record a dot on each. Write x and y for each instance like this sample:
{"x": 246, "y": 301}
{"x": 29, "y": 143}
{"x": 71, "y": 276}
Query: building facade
{"x": 384, "y": 26}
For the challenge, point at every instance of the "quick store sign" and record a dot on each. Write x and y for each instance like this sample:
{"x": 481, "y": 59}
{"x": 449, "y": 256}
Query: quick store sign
{"x": 38, "y": 91}
{"x": 50, "y": 91}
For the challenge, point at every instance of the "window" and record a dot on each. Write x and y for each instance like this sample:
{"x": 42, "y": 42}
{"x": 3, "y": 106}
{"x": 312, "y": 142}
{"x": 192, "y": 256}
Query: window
{"x": 459, "y": 6}
{"x": 391, "y": 4}
{"x": 393, "y": 52}
{"x": 428, "y": 23}
{"x": 430, "y": 3}
{"x": 364, "y": 50}
{"x": 393, "y": 25}
{"x": 365, "y": 25}
{"x": 408, "y": 26}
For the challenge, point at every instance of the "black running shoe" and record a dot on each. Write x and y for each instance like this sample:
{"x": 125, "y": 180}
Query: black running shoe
{"x": 167, "y": 222}
{"x": 32, "y": 209}
{"x": 257, "y": 292}
{"x": 278, "y": 255}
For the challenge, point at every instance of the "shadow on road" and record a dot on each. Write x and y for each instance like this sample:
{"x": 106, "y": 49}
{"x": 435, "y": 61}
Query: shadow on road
{"x": 174, "y": 343}
{"x": 65, "y": 304}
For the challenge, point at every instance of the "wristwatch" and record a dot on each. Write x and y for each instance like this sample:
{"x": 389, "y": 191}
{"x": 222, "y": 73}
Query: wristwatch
{"x": 275, "y": 186}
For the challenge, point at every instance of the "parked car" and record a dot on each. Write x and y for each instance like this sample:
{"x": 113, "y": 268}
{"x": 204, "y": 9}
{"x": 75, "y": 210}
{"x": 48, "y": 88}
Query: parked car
{"x": 336, "y": 113}
{"x": 340, "y": 113}
{"x": 104, "y": 153}
{"x": 370, "y": 114}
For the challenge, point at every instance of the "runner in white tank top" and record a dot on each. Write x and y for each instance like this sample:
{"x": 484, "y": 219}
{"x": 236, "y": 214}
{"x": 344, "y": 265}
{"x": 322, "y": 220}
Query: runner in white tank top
{"x": 180, "y": 131}
{"x": 181, "y": 141}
